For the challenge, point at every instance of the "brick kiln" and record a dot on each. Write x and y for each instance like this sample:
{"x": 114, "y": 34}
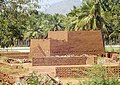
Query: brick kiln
{"x": 61, "y": 43}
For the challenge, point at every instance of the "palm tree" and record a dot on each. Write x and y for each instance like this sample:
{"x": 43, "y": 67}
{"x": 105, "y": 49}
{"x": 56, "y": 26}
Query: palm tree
{"x": 35, "y": 26}
{"x": 89, "y": 17}
{"x": 97, "y": 15}
{"x": 57, "y": 22}
{"x": 112, "y": 15}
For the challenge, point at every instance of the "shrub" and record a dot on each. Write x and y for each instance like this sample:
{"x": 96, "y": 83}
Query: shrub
{"x": 98, "y": 76}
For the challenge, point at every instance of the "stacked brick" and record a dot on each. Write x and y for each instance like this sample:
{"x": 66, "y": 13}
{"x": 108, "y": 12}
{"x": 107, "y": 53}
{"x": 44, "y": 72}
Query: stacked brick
{"x": 91, "y": 60}
{"x": 54, "y": 61}
{"x": 39, "y": 48}
{"x": 58, "y": 35}
{"x": 85, "y": 42}
{"x": 59, "y": 48}
{"x": 67, "y": 43}
{"x": 71, "y": 42}
{"x": 78, "y": 72}
{"x": 17, "y": 55}
{"x": 58, "y": 43}
{"x": 5, "y": 77}
{"x": 112, "y": 54}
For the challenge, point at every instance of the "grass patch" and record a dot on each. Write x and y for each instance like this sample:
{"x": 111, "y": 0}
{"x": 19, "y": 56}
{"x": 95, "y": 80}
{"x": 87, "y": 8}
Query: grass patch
{"x": 3, "y": 59}
{"x": 112, "y": 49}
{"x": 11, "y": 70}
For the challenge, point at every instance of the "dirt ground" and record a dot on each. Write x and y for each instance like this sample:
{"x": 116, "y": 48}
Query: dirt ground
{"x": 37, "y": 69}
{"x": 51, "y": 71}
{"x": 47, "y": 70}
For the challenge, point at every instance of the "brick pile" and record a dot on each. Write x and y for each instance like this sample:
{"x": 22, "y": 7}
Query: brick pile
{"x": 77, "y": 71}
{"x": 85, "y": 42}
{"x": 5, "y": 77}
{"x": 58, "y": 35}
{"x": 112, "y": 54}
{"x": 91, "y": 59}
{"x": 39, "y": 48}
{"x": 68, "y": 42}
{"x": 58, "y": 47}
{"x": 55, "y": 61}
{"x": 17, "y": 55}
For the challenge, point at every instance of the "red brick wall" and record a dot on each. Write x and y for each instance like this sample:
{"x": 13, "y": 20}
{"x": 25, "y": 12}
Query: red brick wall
{"x": 68, "y": 43}
{"x": 58, "y": 47}
{"x": 85, "y": 42}
{"x": 91, "y": 60}
{"x": 77, "y": 42}
{"x": 77, "y": 72}
{"x": 17, "y": 55}
{"x": 53, "y": 61}
{"x": 58, "y": 35}
{"x": 40, "y": 47}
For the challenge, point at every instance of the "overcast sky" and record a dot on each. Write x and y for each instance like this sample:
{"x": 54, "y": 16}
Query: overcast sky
{"x": 46, "y": 2}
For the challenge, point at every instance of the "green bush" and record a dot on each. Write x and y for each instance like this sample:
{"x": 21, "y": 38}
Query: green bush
{"x": 97, "y": 76}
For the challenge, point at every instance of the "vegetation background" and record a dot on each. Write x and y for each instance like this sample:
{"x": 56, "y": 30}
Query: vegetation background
{"x": 20, "y": 21}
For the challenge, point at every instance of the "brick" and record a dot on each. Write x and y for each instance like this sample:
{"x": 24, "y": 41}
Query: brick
{"x": 53, "y": 61}
{"x": 91, "y": 60}
{"x": 75, "y": 72}
{"x": 17, "y": 55}
{"x": 68, "y": 43}
{"x": 39, "y": 48}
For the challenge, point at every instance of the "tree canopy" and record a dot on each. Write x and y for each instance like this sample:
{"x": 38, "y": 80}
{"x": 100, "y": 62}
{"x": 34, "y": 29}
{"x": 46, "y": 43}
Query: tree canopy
{"x": 20, "y": 20}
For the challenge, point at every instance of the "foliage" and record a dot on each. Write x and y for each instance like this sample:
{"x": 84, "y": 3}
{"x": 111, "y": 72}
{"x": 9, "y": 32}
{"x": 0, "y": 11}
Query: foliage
{"x": 35, "y": 79}
{"x": 112, "y": 49}
{"x": 13, "y": 15}
{"x": 97, "y": 76}
{"x": 88, "y": 17}
{"x": 98, "y": 14}
{"x": 112, "y": 15}
{"x": 20, "y": 21}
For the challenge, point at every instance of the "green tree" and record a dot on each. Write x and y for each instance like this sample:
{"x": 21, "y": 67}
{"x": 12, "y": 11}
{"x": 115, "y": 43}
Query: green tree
{"x": 57, "y": 22}
{"x": 37, "y": 26}
{"x": 88, "y": 17}
{"x": 13, "y": 17}
{"x": 97, "y": 15}
{"x": 112, "y": 15}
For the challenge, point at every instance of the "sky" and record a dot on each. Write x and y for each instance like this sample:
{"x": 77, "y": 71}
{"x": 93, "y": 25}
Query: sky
{"x": 46, "y": 2}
